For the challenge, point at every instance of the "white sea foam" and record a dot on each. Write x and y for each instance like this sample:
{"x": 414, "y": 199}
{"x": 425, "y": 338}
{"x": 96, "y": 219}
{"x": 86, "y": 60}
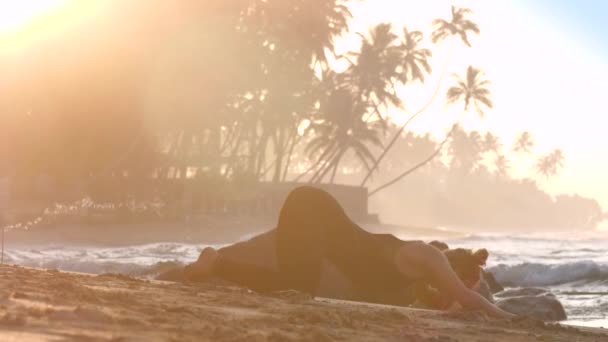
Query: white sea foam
{"x": 134, "y": 260}
{"x": 533, "y": 274}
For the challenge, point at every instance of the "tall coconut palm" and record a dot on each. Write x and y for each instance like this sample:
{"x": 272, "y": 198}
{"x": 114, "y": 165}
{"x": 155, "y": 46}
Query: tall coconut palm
{"x": 459, "y": 25}
{"x": 524, "y": 142}
{"x": 413, "y": 66}
{"x": 375, "y": 68}
{"x": 474, "y": 90}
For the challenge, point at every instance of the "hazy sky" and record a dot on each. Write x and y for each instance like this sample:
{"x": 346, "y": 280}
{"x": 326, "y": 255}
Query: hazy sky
{"x": 548, "y": 63}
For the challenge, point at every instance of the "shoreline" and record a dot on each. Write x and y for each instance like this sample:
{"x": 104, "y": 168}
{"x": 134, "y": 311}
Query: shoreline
{"x": 46, "y": 305}
{"x": 208, "y": 230}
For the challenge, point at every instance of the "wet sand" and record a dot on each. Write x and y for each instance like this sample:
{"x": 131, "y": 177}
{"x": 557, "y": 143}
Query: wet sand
{"x": 48, "y": 305}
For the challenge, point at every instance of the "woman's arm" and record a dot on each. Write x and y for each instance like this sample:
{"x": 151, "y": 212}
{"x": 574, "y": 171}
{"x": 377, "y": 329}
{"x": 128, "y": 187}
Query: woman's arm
{"x": 437, "y": 267}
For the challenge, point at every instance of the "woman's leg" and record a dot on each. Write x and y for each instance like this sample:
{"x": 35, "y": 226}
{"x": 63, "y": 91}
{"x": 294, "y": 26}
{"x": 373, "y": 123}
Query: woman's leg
{"x": 213, "y": 263}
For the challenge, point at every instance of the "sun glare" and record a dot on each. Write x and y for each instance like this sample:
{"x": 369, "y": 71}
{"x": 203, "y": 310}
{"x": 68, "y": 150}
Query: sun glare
{"x": 16, "y": 15}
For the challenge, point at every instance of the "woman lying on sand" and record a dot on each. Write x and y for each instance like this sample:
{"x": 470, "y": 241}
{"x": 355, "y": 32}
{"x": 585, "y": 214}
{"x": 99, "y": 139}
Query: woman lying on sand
{"x": 383, "y": 269}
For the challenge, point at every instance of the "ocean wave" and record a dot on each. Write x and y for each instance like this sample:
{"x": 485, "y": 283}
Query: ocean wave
{"x": 536, "y": 274}
{"x": 589, "y": 236}
{"x": 141, "y": 260}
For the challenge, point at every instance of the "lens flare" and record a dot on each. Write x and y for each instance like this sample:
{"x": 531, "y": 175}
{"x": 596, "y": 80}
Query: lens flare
{"x": 15, "y": 15}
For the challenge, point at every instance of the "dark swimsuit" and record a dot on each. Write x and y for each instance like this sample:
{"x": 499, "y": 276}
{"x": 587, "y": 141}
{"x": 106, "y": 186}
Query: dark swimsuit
{"x": 312, "y": 226}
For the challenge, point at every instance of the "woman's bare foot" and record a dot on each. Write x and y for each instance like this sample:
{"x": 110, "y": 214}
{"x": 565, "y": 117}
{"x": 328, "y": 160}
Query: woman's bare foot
{"x": 203, "y": 267}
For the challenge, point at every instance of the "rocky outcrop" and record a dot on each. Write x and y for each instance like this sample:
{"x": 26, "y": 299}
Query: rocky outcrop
{"x": 490, "y": 280}
{"x": 533, "y": 302}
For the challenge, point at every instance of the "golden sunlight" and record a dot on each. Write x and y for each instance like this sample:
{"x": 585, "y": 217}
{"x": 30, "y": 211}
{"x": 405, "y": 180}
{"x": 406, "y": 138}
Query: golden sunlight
{"x": 16, "y": 15}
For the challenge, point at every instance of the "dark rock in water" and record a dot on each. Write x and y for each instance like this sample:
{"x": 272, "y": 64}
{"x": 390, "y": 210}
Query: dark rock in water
{"x": 484, "y": 290}
{"x": 544, "y": 307}
{"x": 522, "y": 291}
{"x": 488, "y": 286}
{"x": 493, "y": 285}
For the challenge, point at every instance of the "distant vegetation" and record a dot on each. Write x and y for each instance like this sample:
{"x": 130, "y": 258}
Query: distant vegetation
{"x": 474, "y": 186}
{"x": 246, "y": 91}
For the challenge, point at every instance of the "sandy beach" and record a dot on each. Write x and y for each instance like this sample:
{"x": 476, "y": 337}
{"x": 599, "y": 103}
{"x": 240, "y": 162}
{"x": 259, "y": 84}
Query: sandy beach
{"x": 49, "y": 305}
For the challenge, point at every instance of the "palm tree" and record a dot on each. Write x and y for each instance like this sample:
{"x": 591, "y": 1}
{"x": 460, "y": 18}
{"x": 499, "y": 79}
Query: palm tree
{"x": 475, "y": 91}
{"x": 332, "y": 22}
{"x": 550, "y": 164}
{"x": 557, "y": 156}
{"x": 412, "y": 66}
{"x": 341, "y": 129}
{"x": 502, "y": 165}
{"x": 524, "y": 142}
{"x": 491, "y": 143}
{"x": 356, "y": 140}
{"x": 465, "y": 149}
{"x": 459, "y": 25}
{"x": 414, "y": 59}
{"x": 376, "y": 67}
{"x": 308, "y": 26}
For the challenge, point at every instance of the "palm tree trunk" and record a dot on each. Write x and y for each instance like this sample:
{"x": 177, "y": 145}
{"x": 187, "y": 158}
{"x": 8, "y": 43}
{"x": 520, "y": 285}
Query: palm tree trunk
{"x": 335, "y": 161}
{"x": 261, "y": 154}
{"x": 279, "y": 150}
{"x": 293, "y": 142}
{"x": 3, "y": 228}
{"x": 268, "y": 168}
{"x": 333, "y": 174}
{"x": 315, "y": 164}
{"x": 230, "y": 136}
{"x": 324, "y": 165}
{"x": 234, "y": 154}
